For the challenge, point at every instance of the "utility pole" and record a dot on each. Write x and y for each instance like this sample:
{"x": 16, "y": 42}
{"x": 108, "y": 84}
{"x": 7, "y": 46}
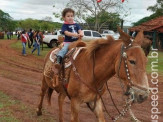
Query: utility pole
{"x": 122, "y": 23}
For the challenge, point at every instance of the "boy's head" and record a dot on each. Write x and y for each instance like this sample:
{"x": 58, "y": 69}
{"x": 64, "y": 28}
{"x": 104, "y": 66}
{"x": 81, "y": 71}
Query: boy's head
{"x": 68, "y": 15}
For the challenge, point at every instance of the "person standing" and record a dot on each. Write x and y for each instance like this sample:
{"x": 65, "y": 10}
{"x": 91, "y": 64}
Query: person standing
{"x": 8, "y": 35}
{"x": 30, "y": 34}
{"x": 24, "y": 39}
{"x": 37, "y": 43}
{"x": 72, "y": 32}
{"x": 18, "y": 35}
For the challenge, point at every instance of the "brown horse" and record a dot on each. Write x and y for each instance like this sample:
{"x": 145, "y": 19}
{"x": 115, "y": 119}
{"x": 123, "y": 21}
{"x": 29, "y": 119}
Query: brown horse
{"x": 94, "y": 66}
{"x": 145, "y": 44}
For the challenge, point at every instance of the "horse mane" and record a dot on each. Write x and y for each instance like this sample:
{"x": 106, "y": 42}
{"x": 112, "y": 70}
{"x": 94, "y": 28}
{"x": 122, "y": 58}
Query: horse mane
{"x": 95, "y": 45}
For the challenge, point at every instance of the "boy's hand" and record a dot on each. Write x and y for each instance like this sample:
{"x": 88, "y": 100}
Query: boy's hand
{"x": 76, "y": 35}
{"x": 81, "y": 35}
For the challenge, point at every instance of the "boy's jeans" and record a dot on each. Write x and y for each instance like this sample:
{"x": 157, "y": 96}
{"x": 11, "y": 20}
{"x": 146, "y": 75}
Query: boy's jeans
{"x": 24, "y": 46}
{"x": 64, "y": 50}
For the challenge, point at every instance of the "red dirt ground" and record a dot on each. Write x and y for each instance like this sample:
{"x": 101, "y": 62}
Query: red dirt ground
{"x": 20, "y": 77}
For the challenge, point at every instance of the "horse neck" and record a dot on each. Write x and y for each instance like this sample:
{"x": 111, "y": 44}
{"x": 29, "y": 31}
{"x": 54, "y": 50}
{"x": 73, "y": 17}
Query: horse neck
{"x": 105, "y": 60}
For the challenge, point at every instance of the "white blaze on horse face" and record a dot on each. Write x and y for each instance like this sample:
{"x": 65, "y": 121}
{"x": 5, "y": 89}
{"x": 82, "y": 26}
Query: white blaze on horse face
{"x": 145, "y": 81}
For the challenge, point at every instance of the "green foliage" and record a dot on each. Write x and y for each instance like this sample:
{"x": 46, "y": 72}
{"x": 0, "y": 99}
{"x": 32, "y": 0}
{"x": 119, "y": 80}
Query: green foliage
{"x": 38, "y": 25}
{"x": 6, "y": 22}
{"x": 158, "y": 7}
{"x": 105, "y": 18}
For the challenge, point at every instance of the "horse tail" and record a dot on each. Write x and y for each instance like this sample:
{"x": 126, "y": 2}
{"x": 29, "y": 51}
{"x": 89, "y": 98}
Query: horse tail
{"x": 49, "y": 94}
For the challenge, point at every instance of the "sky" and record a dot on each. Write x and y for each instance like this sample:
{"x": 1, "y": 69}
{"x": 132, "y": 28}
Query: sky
{"x": 39, "y": 9}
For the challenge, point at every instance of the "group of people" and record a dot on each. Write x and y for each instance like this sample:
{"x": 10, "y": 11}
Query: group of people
{"x": 29, "y": 37}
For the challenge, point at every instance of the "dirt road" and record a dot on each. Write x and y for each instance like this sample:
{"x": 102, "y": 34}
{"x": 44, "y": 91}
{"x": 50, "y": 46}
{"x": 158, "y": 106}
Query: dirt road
{"x": 20, "y": 77}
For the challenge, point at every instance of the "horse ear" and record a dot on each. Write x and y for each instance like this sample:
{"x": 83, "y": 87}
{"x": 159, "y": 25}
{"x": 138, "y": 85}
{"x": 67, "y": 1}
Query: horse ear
{"x": 125, "y": 37}
{"x": 139, "y": 38}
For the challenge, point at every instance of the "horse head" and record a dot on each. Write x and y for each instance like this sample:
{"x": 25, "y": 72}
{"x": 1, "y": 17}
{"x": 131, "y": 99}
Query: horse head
{"x": 131, "y": 67}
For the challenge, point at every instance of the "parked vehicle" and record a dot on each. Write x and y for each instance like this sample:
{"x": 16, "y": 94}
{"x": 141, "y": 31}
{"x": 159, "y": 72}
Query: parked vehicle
{"x": 53, "y": 40}
{"x": 111, "y": 33}
{"x": 115, "y": 36}
{"x": 108, "y": 32}
{"x": 91, "y": 35}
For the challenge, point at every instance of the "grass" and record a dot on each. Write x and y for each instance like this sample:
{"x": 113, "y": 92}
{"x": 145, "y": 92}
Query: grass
{"x": 6, "y": 113}
{"x": 14, "y": 37}
{"x": 14, "y": 111}
{"x": 160, "y": 62}
{"x": 18, "y": 46}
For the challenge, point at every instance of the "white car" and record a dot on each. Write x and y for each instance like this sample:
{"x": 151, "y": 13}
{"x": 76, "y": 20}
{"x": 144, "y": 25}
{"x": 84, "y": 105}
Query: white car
{"x": 53, "y": 40}
{"x": 91, "y": 35}
{"x": 115, "y": 36}
{"x": 110, "y": 33}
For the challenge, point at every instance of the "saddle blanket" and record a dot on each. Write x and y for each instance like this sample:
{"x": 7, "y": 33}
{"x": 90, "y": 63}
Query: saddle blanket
{"x": 53, "y": 55}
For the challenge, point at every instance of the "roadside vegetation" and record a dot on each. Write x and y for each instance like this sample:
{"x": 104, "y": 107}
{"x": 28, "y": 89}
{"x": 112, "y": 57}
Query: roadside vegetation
{"x": 12, "y": 110}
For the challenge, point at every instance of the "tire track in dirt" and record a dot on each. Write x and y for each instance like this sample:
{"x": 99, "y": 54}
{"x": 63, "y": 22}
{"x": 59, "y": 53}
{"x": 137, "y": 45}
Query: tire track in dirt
{"x": 20, "y": 65}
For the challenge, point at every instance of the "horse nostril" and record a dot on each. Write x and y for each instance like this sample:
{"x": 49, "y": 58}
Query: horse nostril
{"x": 141, "y": 97}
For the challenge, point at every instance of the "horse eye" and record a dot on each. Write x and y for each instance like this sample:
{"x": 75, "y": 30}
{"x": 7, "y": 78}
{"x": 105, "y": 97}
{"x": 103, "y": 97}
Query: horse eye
{"x": 132, "y": 62}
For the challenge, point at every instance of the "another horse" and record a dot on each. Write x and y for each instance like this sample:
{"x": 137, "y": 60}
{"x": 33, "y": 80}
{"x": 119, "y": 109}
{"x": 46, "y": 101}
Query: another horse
{"x": 145, "y": 44}
{"x": 94, "y": 66}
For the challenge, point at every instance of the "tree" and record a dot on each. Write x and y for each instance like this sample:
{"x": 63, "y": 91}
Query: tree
{"x": 6, "y": 22}
{"x": 157, "y": 10}
{"x": 105, "y": 18}
{"x": 91, "y": 9}
{"x": 41, "y": 25}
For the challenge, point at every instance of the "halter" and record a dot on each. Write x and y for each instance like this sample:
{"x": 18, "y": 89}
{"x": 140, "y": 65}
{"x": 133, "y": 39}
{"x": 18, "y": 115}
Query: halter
{"x": 131, "y": 85}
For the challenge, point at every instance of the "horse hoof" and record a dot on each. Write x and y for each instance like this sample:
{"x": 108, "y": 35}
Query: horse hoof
{"x": 39, "y": 113}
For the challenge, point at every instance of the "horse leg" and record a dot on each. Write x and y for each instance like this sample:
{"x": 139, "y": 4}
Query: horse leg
{"x": 61, "y": 98}
{"x": 42, "y": 94}
{"x": 99, "y": 111}
{"x": 75, "y": 104}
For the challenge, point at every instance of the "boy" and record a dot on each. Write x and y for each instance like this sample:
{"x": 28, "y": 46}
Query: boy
{"x": 72, "y": 32}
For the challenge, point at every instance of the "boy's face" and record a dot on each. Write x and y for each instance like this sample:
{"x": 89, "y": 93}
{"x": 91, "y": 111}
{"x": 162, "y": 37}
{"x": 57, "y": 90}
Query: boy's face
{"x": 69, "y": 17}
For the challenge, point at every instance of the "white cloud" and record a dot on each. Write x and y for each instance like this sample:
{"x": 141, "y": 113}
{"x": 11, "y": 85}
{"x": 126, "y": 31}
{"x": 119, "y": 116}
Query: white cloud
{"x": 38, "y": 9}
{"x": 138, "y": 10}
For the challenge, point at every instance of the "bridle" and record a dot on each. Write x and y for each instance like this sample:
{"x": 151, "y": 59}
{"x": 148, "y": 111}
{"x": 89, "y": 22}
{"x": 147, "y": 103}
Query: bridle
{"x": 130, "y": 84}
